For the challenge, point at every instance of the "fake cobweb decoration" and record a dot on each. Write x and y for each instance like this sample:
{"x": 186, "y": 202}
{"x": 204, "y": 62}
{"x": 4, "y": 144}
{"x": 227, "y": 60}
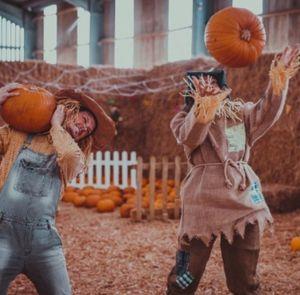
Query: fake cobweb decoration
{"x": 102, "y": 81}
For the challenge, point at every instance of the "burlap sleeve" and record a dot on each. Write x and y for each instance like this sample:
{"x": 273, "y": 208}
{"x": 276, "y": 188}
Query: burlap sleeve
{"x": 4, "y": 139}
{"x": 188, "y": 130}
{"x": 263, "y": 114}
{"x": 70, "y": 158}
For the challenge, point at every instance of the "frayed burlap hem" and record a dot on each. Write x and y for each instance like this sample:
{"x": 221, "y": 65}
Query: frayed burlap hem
{"x": 263, "y": 219}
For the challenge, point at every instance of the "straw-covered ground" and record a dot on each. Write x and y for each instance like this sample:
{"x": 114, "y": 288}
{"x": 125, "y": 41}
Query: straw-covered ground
{"x": 109, "y": 255}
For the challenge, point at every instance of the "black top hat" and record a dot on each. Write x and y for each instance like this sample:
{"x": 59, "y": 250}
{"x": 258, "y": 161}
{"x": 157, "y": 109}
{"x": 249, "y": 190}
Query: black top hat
{"x": 218, "y": 74}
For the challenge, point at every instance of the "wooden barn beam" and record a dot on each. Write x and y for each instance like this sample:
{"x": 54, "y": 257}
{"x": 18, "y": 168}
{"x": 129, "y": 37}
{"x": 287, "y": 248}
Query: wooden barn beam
{"x": 85, "y": 4}
{"x": 107, "y": 38}
{"x": 12, "y": 13}
{"x": 281, "y": 20}
{"x": 35, "y": 5}
{"x": 66, "y": 34}
{"x": 96, "y": 31}
{"x": 30, "y": 37}
{"x": 202, "y": 11}
{"x": 150, "y": 32}
{"x": 25, "y": 20}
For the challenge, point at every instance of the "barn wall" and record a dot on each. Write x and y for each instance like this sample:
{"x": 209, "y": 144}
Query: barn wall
{"x": 147, "y": 101}
{"x": 282, "y": 20}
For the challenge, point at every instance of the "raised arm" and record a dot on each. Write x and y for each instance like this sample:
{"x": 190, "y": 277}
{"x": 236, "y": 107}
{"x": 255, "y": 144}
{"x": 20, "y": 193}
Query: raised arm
{"x": 188, "y": 130}
{"x": 5, "y": 93}
{"x": 69, "y": 155}
{"x": 191, "y": 128}
{"x": 261, "y": 116}
{"x": 4, "y": 139}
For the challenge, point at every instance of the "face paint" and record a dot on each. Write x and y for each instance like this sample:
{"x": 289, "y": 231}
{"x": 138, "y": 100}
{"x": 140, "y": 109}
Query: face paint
{"x": 81, "y": 125}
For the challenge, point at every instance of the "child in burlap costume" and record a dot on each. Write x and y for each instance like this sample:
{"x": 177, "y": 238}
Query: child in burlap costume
{"x": 221, "y": 194}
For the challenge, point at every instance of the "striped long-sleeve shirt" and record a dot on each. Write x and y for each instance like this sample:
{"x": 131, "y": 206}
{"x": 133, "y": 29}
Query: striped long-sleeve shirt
{"x": 70, "y": 158}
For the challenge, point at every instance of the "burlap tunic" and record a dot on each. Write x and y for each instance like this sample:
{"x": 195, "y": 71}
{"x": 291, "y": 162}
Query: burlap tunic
{"x": 221, "y": 193}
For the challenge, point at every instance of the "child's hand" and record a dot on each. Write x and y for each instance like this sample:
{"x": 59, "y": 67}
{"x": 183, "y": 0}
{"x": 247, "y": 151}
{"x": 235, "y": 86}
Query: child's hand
{"x": 6, "y": 91}
{"x": 205, "y": 108}
{"x": 206, "y": 86}
{"x": 58, "y": 116}
{"x": 284, "y": 66}
{"x": 289, "y": 56}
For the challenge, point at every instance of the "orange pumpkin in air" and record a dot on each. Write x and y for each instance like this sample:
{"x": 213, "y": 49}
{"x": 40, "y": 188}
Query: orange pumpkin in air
{"x": 30, "y": 111}
{"x": 235, "y": 37}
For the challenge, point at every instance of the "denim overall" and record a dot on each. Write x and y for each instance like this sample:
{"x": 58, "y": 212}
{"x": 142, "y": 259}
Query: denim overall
{"x": 29, "y": 241}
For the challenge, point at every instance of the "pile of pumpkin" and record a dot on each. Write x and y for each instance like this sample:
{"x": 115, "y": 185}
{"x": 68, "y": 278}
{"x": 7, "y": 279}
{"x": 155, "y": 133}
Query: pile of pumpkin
{"x": 107, "y": 200}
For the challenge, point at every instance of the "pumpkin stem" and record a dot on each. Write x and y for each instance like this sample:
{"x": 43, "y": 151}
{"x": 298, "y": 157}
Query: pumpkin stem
{"x": 246, "y": 35}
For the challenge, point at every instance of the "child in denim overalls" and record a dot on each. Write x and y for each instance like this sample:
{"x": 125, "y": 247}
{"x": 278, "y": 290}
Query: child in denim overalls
{"x": 33, "y": 172}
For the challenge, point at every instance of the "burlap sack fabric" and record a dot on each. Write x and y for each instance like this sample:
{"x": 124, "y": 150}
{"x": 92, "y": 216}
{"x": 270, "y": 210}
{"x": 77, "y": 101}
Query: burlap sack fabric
{"x": 221, "y": 192}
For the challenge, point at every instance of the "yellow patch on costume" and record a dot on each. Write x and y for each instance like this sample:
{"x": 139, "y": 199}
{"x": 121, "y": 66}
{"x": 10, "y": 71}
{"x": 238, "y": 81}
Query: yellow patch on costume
{"x": 236, "y": 138}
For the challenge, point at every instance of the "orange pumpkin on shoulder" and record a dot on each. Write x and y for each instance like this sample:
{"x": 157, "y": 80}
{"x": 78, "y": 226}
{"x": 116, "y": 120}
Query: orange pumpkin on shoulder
{"x": 31, "y": 110}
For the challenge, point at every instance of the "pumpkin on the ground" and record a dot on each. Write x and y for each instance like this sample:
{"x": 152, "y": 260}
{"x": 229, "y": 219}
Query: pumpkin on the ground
{"x": 171, "y": 182}
{"x": 113, "y": 188}
{"x": 158, "y": 204}
{"x": 70, "y": 189}
{"x": 129, "y": 190}
{"x": 69, "y": 196}
{"x": 171, "y": 196}
{"x": 87, "y": 191}
{"x": 79, "y": 200}
{"x": 159, "y": 196}
{"x": 131, "y": 201}
{"x": 128, "y": 196}
{"x": 105, "y": 205}
{"x": 31, "y": 110}
{"x": 145, "y": 203}
{"x": 235, "y": 37}
{"x": 125, "y": 210}
{"x": 91, "y": 201}
{"x": 145, "y": 182}
{"x": 105, "y": 196}
{"x": 115, "y": 193}
{"x": 117, "y": 200}
{"x": 295, "y": 244}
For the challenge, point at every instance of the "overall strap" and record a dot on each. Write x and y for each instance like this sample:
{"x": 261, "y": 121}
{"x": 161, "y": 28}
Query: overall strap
{"x": 28, "y": 140}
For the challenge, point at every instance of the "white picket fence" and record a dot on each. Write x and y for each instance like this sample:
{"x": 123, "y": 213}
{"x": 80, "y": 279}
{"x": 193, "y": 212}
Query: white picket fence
{"x": 109, "y": 168}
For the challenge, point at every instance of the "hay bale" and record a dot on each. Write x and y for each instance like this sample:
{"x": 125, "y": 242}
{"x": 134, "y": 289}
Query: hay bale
{"x": 282, "y": 198}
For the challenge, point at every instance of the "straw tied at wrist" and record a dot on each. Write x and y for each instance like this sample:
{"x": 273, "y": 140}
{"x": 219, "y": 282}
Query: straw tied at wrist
{"x": 284, "y": 66}
{"x": 208, "y": 99}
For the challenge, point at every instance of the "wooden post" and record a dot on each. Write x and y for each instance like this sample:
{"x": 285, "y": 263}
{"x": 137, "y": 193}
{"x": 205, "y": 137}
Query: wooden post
{"x": 138, "y": 196}
{"x": 165, "y": 169}
{"x": 152, "y": 187}
{"x": 177, "y": 186}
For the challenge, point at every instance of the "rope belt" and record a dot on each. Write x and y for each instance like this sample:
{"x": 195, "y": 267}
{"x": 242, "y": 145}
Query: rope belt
{"x": 238, "y": 165}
